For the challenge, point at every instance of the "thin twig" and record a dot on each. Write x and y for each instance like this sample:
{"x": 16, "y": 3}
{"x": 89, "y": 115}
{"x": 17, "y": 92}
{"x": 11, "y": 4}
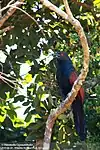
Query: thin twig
{"x": 10, "y": 2}
{"x": 8, "y": 5}
{"x": 7, "y": 29}
{"x": 13, "y": 6}
{"x": 6, "y": 75}
{"x": 7, "y": 83}
{"x": 6, "y": 79}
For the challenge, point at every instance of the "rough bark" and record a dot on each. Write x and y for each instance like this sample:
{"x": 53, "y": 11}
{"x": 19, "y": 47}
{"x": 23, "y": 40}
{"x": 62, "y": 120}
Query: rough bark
{"x": 68, "y": 16}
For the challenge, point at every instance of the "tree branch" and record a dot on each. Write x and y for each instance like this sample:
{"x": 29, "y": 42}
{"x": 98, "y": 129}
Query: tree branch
{"x": 12, "y": 9}
{"x": 11, "y": 81}
{"x": 78, "y": 83}
{"x": 55, "y": 9}
{"x": 9, "y": 12}
{"x": 6, "y": 29}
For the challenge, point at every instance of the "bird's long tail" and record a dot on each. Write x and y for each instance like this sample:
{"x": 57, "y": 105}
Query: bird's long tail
{"x": 78, "y": 114}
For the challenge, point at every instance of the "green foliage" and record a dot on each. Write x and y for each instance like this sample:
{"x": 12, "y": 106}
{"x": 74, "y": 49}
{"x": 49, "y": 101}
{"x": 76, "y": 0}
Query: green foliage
{"x": 38, "y": 92}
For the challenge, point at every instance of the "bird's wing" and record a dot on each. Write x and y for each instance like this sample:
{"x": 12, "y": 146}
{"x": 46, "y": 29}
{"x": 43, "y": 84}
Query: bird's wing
{"x": 72, "y": 79}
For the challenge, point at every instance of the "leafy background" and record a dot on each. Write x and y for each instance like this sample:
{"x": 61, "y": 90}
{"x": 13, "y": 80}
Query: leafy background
{"x": 24, "y": 110}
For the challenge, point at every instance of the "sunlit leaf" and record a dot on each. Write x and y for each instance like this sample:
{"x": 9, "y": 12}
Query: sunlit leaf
{"x": 27, "y": 79}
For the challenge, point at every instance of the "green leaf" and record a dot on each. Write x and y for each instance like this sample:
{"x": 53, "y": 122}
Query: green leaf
{"x": 61, "y": 134}
{"x": 19, "y": 98}
{"x": 27, "y": 110}
{"x": 28, "y": 117}
{"x": 62, "y": 117}
{"x": 12, "y": 114}
{"x": 26, "y": 103}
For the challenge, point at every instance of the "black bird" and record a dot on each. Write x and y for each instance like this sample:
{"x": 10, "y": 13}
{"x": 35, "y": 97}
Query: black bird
{"x": 66, "y": 76}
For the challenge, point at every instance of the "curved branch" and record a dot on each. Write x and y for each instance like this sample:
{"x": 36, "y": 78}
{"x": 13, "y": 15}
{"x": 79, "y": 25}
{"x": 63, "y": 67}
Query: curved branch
{"x": 81, "y": 34}
{"x": 13, "y": 6}
{"x": 78, "y": 83}
{"x": 9, "y": 12}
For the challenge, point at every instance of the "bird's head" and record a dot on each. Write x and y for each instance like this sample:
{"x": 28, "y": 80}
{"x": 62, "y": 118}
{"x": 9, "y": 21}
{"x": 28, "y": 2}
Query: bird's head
{"x": 61, "y": 55}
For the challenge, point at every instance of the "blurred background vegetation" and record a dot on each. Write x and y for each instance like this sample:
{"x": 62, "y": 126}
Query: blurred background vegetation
{"x": 24, "y": 110}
